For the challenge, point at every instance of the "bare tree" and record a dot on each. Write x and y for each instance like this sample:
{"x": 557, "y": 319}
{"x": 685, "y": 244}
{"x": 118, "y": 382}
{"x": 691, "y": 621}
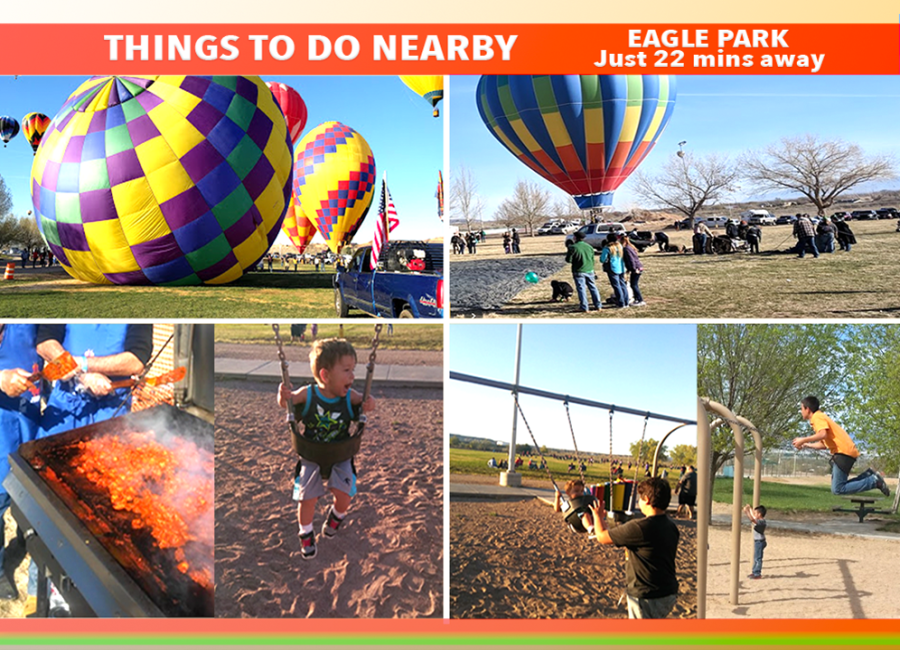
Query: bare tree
{"x": 506, "y": 216}
{"x": 821, "y": 170}
{"x": 6, "y": 201}
{"x": 465, "y": 202}
{"x": 565, "y": 208}
{"x": 529, "y": 203}
{"x": 688, "y": 183}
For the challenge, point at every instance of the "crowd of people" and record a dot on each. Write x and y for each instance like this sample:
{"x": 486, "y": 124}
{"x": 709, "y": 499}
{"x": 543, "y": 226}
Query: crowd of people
{"x": 461, "y": 244}
{"x": 39, "y": 257}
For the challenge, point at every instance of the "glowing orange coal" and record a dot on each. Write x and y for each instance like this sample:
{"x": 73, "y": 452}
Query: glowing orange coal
{"x": 167, "y": 488}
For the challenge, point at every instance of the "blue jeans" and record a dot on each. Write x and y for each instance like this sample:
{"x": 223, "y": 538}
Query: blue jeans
{"x": 620, "y": 289}
{"x": 825, "y": 242}
{"x": 582, "y": 279}
{"x": 635, "y": 280}
{"x": 840, "y": 483}
{"x": 807, "y": 241}
{"x": 758, "y": 546}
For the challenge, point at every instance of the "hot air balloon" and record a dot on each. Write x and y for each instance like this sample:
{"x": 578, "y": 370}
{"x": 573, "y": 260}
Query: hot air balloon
{"x": 334, "y": 181}
{"x": 430, "y": 87}
{"x": 34, "y": 125}
{"x": 9, "y": 127}
{"x": 583, "y": 133}
{"x": 297, "y": 227}
{"x": 293, "y": 107}
{"x": 171, "y": 180}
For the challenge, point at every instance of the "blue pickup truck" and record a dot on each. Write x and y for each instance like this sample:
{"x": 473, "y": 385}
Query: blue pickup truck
{"x": 408, "y": 282}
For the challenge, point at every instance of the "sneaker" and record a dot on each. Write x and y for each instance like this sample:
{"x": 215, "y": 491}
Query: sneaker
{"x": 308, "y": 546}
{"x": 881, "y": 485}
{"x": 754, "y": 577}
{"x": 331, "y": 525}
{"x": 640, "y": 303}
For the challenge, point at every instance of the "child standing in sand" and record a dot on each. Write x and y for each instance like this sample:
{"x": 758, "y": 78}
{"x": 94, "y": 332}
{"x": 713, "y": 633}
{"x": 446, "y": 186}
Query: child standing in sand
{"x": 329, "y": 406}
{"x": 757, "y": 518}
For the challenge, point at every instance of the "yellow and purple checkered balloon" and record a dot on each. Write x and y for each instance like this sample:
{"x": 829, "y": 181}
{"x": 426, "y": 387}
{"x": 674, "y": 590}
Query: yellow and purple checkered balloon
{"x": 170, "y": 180}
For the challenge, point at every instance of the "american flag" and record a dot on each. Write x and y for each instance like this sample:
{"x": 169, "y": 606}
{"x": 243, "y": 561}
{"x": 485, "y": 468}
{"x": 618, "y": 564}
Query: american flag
{"x": 387, "y": 221}
{"x": 439, "y": 195}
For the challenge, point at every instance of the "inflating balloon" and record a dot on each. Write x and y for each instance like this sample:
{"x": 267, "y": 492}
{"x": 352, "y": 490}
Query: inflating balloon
{"x": 292, "y": 105}
{"x": 9, "y": 127}
{"x": 163, "y": 180}
{"x": 297, "y": 227}
{"x": 532, "y": 277}
{"x": 334, "y": 181}
{"x": 429, "y": 87}
{"x": 34, "y": 125}
{"x": 583, "y": 133}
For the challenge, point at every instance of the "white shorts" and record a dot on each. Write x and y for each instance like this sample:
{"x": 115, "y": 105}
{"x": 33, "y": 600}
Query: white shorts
{"x": 310, "y": 480}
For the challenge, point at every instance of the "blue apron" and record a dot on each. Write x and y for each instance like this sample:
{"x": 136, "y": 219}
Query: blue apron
{"x": 19, "y": 416}
{"x": 69, "y": 406}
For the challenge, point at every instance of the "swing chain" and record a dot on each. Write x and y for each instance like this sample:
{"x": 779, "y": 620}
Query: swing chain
{"x": 528, "y": 427}
{"x": 575, "y": 444}
{"x": 638, "y": 463}
{"x": 611, "y": 412}
{"x": 376, "y": 341}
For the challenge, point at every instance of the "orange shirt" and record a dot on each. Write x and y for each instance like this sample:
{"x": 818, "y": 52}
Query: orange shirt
{"x": 836, "y": 439}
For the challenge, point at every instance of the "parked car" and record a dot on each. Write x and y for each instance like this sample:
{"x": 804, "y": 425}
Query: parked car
{"x": 547, "y": 228}
{"x": 843, "y": 216}
{"x": 863, "y": 215}
{"x": 785, "y": 220}
{"x": 887, "y": 213}
{"x": 595, "y": 233}
{"x": 407, "y": 283}
{"x": 758, "y": 217}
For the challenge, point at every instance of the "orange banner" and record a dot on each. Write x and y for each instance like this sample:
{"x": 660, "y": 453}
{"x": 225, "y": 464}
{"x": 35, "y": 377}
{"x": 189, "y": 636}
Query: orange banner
{"x": 453, "y": 49}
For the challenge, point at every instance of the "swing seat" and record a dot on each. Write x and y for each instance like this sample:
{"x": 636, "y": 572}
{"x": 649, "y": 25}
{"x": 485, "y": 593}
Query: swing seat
{"x": 616, "y": 499}
{"x": 327, "y": 454}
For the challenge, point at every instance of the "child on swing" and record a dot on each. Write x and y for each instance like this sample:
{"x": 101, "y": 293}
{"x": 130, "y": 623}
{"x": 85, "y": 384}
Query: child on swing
{"x": 329, "y": 406}
{"x": 577, "y": 514}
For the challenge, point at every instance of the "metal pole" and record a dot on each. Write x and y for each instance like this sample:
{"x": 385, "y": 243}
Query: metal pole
{"x": 659, "y": 446}
{"x": 524, "y": 390}
{"x": 704, "y": 502}
{"x": 511, "y": 478}
{"x": 757, "y": 455}
{"x": 737, "y": 493}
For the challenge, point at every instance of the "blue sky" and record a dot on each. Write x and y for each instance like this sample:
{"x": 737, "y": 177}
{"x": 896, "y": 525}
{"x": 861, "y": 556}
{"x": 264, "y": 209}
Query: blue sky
{"x": 406, "y": 140}
{"x": 646, "y": 367}
{"x": 724, "y": 114}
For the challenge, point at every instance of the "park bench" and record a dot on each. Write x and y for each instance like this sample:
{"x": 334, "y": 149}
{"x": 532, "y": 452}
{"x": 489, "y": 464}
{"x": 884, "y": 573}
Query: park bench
{"x": 863, "y": 509}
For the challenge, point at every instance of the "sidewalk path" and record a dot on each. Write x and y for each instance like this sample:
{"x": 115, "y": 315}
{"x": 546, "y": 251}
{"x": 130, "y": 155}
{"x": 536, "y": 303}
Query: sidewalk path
{"x": 395, "y": 376}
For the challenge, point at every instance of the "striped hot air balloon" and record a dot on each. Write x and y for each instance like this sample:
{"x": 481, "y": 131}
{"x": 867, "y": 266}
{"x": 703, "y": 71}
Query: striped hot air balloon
{"x": 429, "y": 87}
{"x": 334, "y": 181}
{"x": 293, "y": 107}
{"x": 171, "y": 180}
{"x": 34, "y": 125}
{"x": 583, "y": 133}
{"x": 297, "y": 227}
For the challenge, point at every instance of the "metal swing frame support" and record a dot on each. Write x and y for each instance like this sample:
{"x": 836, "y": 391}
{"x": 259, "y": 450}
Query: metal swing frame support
{"x": 704, "y": 491}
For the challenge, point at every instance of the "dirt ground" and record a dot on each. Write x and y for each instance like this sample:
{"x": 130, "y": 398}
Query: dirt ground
{"x": 773, "y": 284}
{"x": 806, "y": 576}
{"x": 515, "y": 559}
{"x": 386, "y": 560}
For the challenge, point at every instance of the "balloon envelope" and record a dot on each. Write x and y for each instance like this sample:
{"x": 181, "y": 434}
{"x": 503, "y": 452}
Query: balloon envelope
{"x": 334, "y": 181}
{"x": 163, "y": 180}
{"x": 429, "y": 87}
{"x": 297, "y": 227}
{"x": 583, "y": 133}
{"x": 34, "y": 125}
{"x": 9, "y": 127}
{"x": 293, "y": 107}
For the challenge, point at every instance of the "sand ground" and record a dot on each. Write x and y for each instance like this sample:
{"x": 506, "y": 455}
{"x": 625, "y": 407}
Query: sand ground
{"x": 386, "y": 560}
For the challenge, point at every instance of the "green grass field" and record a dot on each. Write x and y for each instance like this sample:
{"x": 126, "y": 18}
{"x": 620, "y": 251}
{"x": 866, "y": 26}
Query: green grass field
{"x": 406, "y": 336}
{"x": 471, "y": 461}
{"x": 787, "y": 497}
{"x": 52, "y": 293}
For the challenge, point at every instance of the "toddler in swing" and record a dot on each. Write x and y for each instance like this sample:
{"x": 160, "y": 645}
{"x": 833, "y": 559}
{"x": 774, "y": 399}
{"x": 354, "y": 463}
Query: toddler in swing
{"x": 328, "y": 407}
{"x": 577, "y": 514}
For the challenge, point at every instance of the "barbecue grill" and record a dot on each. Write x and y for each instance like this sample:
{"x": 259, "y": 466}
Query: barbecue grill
{"x": 119, "y": 514}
